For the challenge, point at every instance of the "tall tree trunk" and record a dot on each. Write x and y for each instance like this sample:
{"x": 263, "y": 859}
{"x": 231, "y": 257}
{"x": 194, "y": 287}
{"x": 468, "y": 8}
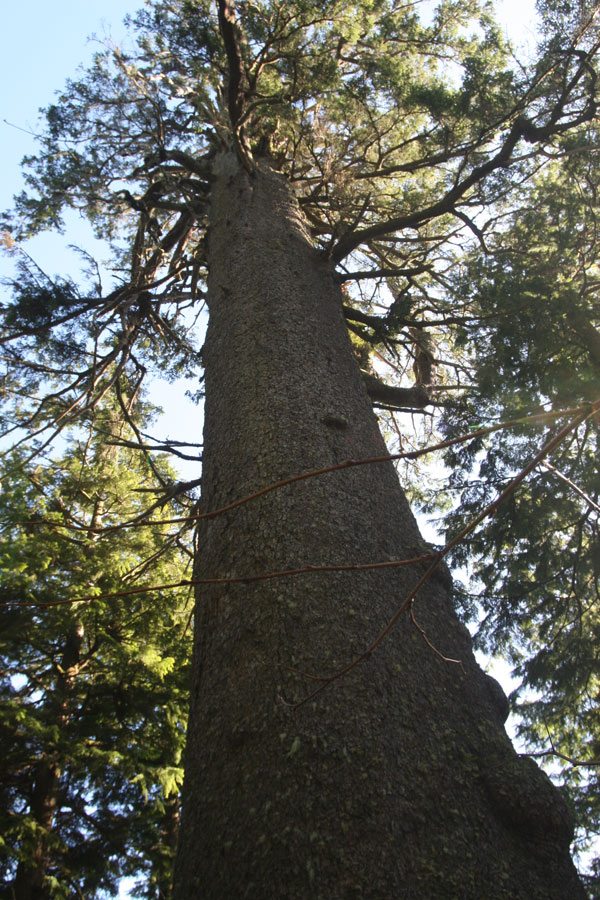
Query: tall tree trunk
{"x": 162, "y": 868}
{"x": 30, "y": 879}
{"x": 31, "y": 876}
{"x": 398, "y": 780}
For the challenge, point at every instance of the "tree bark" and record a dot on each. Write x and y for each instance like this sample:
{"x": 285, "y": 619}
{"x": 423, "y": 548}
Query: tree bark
{"x": 398, "y": 780}
{"x": 30, "y": 879}
{"x": 415, "y": 397}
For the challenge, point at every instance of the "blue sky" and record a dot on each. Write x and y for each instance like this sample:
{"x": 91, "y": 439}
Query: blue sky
{"x": 41, "y": 45}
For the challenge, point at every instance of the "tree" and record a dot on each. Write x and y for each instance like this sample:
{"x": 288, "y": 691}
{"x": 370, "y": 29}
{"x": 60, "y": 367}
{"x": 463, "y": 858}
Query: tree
{"x": 342, "y": 739}
{"x": 94, "y": 678}
{"x": 538, "y": 558}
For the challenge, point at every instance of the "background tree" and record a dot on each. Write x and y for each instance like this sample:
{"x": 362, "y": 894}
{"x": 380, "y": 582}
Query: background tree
{"x": 534, "y": 568}
{"x": 404, "y": 141}
{"x": 94, "y": 673}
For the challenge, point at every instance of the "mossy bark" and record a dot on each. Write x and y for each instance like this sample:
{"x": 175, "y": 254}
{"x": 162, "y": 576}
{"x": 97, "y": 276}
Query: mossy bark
{"x": 397, "y": 781}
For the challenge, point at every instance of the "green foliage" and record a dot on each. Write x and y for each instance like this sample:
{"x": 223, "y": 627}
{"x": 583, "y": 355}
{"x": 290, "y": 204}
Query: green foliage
{"x": 535, "y": 565}
{"x": 94, "y": 693}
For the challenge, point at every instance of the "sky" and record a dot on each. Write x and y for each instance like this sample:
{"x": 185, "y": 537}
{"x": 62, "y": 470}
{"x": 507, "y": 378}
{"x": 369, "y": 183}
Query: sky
{"x": 41, "y": 45}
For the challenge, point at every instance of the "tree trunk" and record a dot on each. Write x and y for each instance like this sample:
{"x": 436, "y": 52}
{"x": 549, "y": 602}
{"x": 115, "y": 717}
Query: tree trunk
{"x": 31, "y": 876}
{"x": 398, "y": 780}
{"x": 30, "y": 879}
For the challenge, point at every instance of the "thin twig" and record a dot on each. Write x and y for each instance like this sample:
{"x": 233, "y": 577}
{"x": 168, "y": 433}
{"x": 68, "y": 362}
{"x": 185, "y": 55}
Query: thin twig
{"x": 429, "y": 643}
{"x": 572, "y": 485}
{"x": 576, "y": 763}
{"x": 239, "y": 579}
{"x": 346, "y": 464}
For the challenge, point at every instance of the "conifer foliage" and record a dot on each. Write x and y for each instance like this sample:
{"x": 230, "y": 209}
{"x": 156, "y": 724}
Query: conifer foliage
{"x": 535, "y": 569}
{"x": 94, "y": 673}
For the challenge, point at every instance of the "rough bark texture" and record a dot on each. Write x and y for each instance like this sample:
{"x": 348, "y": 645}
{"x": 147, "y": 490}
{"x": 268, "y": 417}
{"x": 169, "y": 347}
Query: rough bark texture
{"x": 398, "y": 781}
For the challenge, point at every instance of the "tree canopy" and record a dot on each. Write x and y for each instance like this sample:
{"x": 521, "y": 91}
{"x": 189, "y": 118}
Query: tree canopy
{"x": 455, "y": 190}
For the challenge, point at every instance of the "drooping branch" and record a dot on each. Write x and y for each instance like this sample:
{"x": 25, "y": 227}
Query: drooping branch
{"x": 536, "y": 418}
{"x": 310, "y": 569}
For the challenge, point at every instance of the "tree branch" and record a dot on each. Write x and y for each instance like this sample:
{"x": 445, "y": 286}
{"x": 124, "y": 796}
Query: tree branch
{"x": 522, "y": 129}
{"x": 415, "y": 397}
